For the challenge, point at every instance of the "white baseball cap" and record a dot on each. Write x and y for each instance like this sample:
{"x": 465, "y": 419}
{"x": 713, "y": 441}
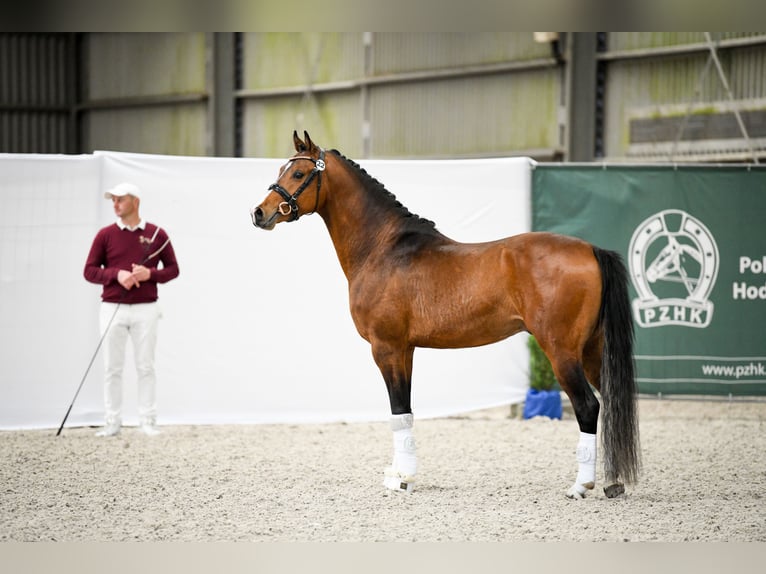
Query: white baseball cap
{"x": 123, "y": 189}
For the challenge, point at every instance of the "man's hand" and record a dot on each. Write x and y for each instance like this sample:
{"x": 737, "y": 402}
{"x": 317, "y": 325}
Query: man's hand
{"x": 127, "y": 279}
{"x": 141, "y": 273}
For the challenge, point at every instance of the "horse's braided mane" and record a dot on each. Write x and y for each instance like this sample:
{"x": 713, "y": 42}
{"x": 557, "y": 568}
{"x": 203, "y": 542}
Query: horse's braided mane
{"x": 381, "y": 193}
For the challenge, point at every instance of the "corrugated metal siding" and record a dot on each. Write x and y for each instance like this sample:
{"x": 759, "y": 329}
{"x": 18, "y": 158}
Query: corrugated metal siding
{"x": 396, "y": 52}
{"x": 34, "y": 95}
{"x": 476, "y": 115}
{"x": 466, "y": 117}
{"x": 639, "y": 40}
{"x": 275, "y": 60}
{"x": 331, "y": 120}
{"x": 375, "y": 94}
{"x": 747, "y": 78}
{"x": 386, "y": 94}
{"x": 134, "y": 93}
{"x": 171, "y": 130}
{"x": 663, "y": 87}
{"x": 299, "y": 62}
{"x": 380, "y": 94}
{"x": 145, "y": 64}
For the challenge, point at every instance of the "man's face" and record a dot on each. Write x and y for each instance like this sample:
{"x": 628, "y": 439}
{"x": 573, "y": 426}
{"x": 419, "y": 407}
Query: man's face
{"x": 124, "y": 206}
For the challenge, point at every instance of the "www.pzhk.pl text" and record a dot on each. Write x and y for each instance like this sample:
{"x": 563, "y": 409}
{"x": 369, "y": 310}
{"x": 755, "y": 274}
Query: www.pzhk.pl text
{"x": 736, "y": 371}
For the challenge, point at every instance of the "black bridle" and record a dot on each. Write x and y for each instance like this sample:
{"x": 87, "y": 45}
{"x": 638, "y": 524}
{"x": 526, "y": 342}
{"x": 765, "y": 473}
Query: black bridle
{"x": 290, "y": 205}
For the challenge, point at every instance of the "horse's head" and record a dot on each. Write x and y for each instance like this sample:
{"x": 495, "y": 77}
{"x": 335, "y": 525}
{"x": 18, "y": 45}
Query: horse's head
{"x": 667, "y": 262}
{"x": 298, "y": 189}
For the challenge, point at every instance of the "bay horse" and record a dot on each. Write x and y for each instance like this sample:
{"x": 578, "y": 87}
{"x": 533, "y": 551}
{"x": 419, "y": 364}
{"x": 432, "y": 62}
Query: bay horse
{"x": 411, "y": 286}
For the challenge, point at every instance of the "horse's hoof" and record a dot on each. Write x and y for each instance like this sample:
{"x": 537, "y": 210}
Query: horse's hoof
{"x": 574, "y": 494}
{"x": 614, "y": 490}
{"x": 397, "y": 484}
{"x": 578, "y": 491}
{"x": 397, "y": 481}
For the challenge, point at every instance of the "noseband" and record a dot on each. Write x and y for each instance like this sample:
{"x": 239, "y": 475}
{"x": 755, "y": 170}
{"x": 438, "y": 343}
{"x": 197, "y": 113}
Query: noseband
{"x": 290, "y": 205}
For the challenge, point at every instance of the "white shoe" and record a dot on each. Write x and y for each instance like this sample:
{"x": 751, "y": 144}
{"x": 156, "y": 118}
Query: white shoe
{"x": 111, "y": 428}
{"x": 149, "y": 427}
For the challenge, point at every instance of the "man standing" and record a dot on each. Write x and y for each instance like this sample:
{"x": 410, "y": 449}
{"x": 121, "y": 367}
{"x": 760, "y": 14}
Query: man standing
{"x": 129, "y": 258}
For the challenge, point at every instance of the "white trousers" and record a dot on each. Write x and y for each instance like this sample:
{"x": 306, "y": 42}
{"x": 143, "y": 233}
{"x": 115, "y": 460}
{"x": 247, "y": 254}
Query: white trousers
{"x": 139, "y": 322}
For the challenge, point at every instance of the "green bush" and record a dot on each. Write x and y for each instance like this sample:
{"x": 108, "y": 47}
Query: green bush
{"x": 541, "y": 375}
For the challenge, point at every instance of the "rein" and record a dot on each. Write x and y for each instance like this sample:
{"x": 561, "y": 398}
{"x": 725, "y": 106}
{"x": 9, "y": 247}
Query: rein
{"x": 290, "y": 205}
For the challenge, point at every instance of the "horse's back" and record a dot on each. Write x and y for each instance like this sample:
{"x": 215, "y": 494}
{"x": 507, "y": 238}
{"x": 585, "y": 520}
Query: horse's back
{"x": 544, "y": 243}
{"x": 545, "y": 257}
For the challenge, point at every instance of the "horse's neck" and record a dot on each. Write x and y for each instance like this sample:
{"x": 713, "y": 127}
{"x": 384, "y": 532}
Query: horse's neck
{"x": 355, "y": 233}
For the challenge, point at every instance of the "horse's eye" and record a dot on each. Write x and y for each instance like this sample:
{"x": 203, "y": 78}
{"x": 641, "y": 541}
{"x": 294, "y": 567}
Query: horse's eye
{"x": 298, "y": 175}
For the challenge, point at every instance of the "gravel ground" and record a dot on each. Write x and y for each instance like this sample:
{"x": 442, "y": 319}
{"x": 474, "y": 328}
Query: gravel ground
{"x": 485, "y": 476}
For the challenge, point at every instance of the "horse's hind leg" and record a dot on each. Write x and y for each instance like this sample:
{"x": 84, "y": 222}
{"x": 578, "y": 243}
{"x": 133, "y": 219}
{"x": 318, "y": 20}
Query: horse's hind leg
{"x": 572, "y": 379}
{"x": 395, "y": 365}
{"x": 592, "y": 359}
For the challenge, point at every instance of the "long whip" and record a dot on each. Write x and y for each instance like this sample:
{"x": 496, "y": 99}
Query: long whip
{"x": 93, "y": 358}
{"x": 103, "y": 336}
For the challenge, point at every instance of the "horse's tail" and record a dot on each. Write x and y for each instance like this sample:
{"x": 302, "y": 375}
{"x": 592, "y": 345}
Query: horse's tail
{"x": 622, "y": 456}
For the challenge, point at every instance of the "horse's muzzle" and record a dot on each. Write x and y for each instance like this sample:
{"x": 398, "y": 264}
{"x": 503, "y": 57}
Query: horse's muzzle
{"x": 259, "y": 218}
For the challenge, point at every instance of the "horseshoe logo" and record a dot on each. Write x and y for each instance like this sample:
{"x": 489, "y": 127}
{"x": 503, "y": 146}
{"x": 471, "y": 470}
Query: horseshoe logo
{"x": 673, "y": 260}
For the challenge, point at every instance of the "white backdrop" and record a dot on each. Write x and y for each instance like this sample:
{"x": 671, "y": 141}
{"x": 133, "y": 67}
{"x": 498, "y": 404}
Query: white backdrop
{"x": 256, "y": 328}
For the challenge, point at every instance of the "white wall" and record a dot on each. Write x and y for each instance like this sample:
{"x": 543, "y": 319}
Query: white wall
{"x": 256, "y": 329}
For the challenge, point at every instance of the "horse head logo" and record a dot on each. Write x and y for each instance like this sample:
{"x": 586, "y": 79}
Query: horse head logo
{"x": 673, "y": 262}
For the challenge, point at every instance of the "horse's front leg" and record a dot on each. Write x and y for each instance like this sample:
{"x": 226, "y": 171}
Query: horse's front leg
{"x": 395, "y": 364}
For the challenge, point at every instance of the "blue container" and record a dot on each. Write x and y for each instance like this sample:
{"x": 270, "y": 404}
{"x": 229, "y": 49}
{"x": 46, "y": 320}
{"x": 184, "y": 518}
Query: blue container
{"x": 542, "y": 404}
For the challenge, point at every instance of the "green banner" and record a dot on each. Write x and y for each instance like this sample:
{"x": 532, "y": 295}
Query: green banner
{"x": 694, "y": 241}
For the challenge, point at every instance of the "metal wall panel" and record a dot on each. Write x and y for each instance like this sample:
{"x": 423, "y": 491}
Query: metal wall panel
{"x": 369, "y": 94}
{"x": 146, "y": 93}
{"x": 35, "y": 92}
{"x": 407, "y": 52}
{"x": 171, "y": 130}
{"x": 331, "y": 120}
{"x": 748, "y": 73}
{"x": 144, "y": 64}
{"x": 473, "y": 113}
{"x": 507, "y": 114}
{"x": 639, "y": 40}
{"x": 285, "y": 80}
{"x": 401, "y": 94}
{"x": 665, "y": 100}
{"x": 380, "y": 94}
{"x": 290, "y": 59}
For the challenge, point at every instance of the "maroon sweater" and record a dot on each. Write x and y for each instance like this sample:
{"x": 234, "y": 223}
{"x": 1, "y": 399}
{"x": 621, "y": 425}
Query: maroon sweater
{"x": 114, "y": 249}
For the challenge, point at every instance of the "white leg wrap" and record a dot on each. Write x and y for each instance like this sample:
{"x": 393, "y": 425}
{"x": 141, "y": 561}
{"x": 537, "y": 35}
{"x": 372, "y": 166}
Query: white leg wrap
{"x": 586, "y": 469}
{"x": 401, "y": 474}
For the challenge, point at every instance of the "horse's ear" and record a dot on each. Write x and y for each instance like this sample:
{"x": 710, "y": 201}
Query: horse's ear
{"x": 309, "y": 144}
{"x": 299, "y": 145}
